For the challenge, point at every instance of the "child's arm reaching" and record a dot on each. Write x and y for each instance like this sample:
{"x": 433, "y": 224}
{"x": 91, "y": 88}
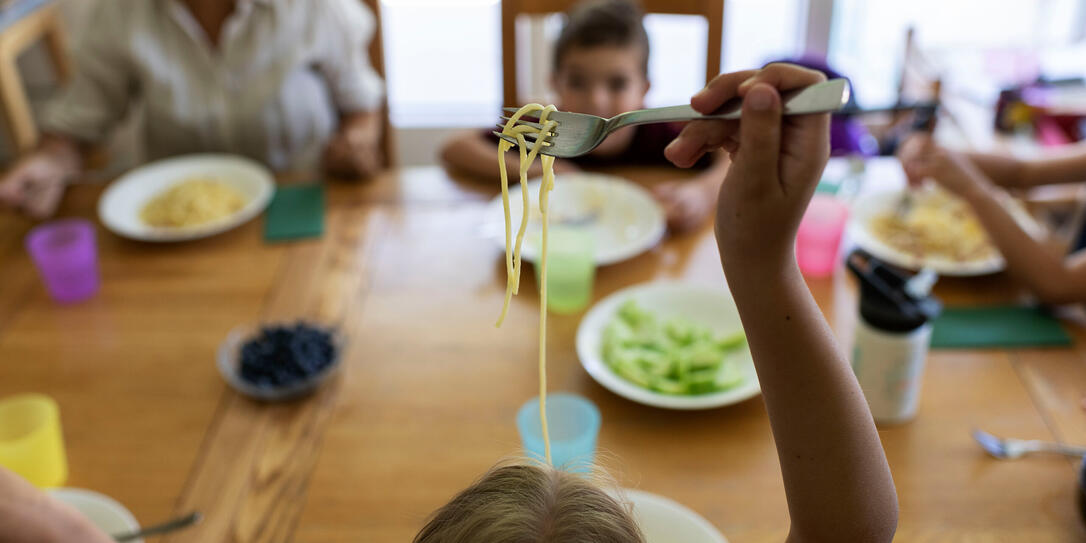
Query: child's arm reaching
{"x": 1068, "y": 166}
{"x": 836, "y": 478}
{"x": 1052, "y": 277}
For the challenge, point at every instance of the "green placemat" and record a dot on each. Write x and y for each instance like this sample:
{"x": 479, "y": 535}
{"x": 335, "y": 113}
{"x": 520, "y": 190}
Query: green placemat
{"x": 295, "y": 212}
{"x": 997, "y": 326}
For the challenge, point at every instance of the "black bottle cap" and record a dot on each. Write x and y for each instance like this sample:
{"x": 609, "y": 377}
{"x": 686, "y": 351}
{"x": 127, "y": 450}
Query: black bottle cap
{"x": 884, "y": 301}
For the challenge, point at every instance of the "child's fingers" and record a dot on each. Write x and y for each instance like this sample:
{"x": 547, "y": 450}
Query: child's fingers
{"x": 731, "y": 145}
{"x": 698, "y": 138}
{"x": 917, "y": 147}
{"x": 915, "y": 175}
{"x": 782, "y": 77}
{"x": 760, "y": 133}
{"x": 721, "y": 89}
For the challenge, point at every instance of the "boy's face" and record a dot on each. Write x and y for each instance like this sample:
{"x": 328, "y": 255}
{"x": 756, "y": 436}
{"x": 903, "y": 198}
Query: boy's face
{"x": 602, "y": 81}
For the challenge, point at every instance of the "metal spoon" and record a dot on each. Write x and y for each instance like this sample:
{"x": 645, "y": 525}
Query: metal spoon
{"x": 165, "y": 527}
{"x": 1008, "y": 448}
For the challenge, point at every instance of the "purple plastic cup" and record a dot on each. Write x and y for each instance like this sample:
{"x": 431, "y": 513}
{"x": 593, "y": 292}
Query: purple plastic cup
{"x": 66, "y": 254}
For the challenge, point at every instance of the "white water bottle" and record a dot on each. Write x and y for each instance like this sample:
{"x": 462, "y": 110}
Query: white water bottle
{"x": 892, "y": 337}
{"x": 890, "y": 366}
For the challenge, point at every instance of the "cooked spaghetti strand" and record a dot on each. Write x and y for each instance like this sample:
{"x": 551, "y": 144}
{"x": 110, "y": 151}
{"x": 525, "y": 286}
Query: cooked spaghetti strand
{"x": 513, "y": 247}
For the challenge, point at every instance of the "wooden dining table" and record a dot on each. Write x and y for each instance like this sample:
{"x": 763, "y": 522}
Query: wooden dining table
{"x": 426, "y": 397}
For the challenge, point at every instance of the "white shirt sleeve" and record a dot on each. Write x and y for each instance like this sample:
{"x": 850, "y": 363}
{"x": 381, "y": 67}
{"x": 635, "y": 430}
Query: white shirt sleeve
{"x": 345, "y": 30}
{"x": 103, "y": 84}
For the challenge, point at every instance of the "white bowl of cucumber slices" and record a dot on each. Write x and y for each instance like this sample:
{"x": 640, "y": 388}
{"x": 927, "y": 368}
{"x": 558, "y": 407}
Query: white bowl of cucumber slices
{"x": 670, "y": 345}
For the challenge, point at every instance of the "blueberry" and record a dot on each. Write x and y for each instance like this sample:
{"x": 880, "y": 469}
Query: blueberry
{"x": 282, "y": 355}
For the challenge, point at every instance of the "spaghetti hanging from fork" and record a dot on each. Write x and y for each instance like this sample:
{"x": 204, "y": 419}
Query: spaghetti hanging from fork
{"x": 518, "y": 129}
{"x": 512, "y": 249}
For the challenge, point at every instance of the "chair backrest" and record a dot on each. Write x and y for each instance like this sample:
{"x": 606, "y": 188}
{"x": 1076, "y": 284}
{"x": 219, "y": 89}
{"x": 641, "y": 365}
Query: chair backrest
{"x": 711, "y": 10}
{"x": 377, "y": 60}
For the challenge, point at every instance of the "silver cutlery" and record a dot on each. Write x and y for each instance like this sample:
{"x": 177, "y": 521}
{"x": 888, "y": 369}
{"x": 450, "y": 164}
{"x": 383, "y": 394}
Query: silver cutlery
{"x": 1008, "y": 448}
{"x": 159, "y": 529}
{"x": 577, "y": 134}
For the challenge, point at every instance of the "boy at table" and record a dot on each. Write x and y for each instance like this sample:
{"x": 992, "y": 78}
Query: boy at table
{"x": 285, "y": 82}
{"x": 982, "y": 181}
{"x": 600, "y": 67}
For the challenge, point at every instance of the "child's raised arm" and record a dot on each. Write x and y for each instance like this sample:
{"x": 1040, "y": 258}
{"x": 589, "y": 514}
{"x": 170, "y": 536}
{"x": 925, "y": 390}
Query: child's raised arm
{"x": 836, "y": 478}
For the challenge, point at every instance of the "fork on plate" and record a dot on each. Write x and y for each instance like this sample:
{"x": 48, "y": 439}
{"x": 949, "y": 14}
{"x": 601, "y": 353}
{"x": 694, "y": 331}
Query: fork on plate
{"x": 1009, "y": 449}
{"x": 577, "y": 133}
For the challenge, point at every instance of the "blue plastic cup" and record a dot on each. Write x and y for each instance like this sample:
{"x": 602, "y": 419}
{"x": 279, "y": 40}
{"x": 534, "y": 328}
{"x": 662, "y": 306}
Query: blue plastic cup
{"x": 574, "y": 423}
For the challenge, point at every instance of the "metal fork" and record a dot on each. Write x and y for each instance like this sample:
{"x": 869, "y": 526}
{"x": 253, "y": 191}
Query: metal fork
{"x": 1009, "y": 449}
{"x": 158, "y": 529}
{"x": 577, "y": 133}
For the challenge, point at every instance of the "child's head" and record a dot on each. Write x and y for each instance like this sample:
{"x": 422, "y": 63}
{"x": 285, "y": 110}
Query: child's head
{"x": 601, "y": 58}
{"x": 531, "y": 504}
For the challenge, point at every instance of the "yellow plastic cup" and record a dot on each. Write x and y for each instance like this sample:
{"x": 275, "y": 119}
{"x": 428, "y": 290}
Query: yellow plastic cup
{"x": 31, "y": 442}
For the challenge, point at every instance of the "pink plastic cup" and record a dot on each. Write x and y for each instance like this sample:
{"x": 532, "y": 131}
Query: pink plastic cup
{"x": 819, "y": 236}
{"x": 66, "y": 254}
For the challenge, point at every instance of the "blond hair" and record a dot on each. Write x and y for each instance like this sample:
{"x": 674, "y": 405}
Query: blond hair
{"x": 532, "y": 503}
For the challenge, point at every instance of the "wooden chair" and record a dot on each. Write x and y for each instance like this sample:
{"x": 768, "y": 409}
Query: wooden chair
{"x": 23, "y": 23}
{"x": 711, "y": 10}
{"x": 377, "y": 60}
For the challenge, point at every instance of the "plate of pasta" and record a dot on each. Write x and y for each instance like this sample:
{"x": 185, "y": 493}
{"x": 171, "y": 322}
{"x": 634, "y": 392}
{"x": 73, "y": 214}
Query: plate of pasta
{"x": 186, "y": 198}
{"x": 622, "y": 217}
{"x": 937, "y": 231}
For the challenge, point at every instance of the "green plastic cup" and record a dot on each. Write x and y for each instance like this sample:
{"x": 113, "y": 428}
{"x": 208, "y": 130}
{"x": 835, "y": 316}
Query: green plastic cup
{"x": 571, "y": 269}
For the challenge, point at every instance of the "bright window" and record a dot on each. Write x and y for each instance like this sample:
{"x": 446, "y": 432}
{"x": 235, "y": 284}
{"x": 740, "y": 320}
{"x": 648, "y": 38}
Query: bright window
{"x": 443, "y": 61}
{"x": 758, "y": 31}
{"x": 868, "y": 38}
{"x": 443, "y": 57}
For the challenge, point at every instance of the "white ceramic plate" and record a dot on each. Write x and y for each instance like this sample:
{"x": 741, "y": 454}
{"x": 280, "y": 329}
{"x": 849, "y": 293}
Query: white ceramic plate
{"x": 666, "y": 521}
{"x": 622, "y": 216}
{"x": 108, "y": 515}
{"x": 711, "y": 307}
{"x": 120, "y": 205}
{"x": 871, "y": 205}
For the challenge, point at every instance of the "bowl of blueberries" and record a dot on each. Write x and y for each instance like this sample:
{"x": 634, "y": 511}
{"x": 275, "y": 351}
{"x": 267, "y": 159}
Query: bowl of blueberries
{"x": 279, "y": 361}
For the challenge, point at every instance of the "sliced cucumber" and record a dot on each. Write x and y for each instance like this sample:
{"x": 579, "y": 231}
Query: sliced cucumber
{"x": 670, "y": 356}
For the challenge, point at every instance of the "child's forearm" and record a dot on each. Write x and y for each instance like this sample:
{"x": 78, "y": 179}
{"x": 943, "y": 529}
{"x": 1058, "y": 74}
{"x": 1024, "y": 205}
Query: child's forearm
{"x": 1067, "y": 167}
{"x": 836, "y": 477}
{"x": 1010, "y": 172}
{"x": 1045, "y": 272}
{"x": 1005, "y": 171}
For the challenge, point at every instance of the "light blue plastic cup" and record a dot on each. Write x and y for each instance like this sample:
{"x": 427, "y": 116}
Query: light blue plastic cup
{"x": 574, "y": 423}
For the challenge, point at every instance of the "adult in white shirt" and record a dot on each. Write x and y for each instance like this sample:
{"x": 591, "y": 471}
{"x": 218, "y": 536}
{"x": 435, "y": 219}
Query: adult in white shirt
{"x": 285, "y": 82}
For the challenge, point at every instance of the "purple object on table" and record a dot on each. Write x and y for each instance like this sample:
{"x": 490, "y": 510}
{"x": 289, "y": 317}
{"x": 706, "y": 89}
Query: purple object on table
{"x": 848, "y": 137}
{"x": 66, "y": 254}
